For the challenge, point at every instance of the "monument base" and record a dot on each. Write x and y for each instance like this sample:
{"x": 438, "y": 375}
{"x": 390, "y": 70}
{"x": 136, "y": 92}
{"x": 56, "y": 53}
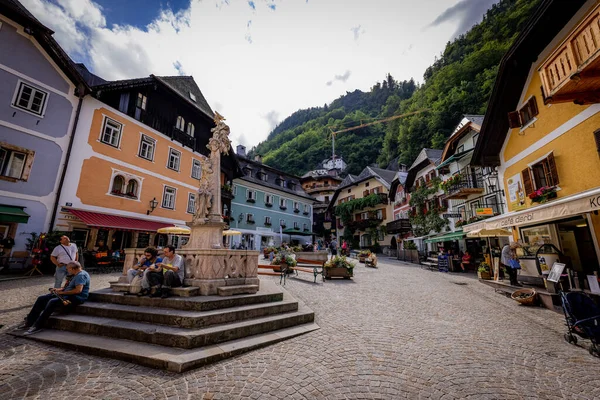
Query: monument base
{"x": 206, "y": 236}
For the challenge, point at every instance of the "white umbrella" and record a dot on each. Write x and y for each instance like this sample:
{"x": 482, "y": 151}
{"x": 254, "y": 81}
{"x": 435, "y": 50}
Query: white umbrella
{"x": 488, "y": 233}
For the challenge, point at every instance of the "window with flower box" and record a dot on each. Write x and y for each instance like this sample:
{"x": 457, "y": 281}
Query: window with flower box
{"x": 269, "y": 200}
{"x": 282, "y": 204}
{"x": 282, "y": 223}
{"x": 296, "y": 207}
{"x": 251, "y": 196}
{"x": 267, "y": 221}
{"x": 249, "y": 218}
{"x": 541, "y": 174}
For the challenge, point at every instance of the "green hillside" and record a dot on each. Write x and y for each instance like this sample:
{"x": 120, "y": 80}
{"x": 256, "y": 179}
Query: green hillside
{"x": 459, "y": 82}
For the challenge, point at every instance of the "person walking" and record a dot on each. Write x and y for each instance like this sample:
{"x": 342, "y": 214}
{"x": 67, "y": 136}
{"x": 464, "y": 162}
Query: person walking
{"x": 75, "y": 292}
{"x": 510, "y": 262}
{"x": 62, "y": 254}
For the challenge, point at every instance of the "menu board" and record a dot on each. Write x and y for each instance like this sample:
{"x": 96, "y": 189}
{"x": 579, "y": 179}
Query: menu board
{"x": 143, "y": 240}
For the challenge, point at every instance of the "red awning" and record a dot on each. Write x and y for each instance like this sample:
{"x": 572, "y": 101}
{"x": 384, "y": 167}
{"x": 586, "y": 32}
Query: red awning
{"x": 116, "y": 222}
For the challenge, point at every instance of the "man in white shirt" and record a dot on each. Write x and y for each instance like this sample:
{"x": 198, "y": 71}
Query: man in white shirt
{"x": 171, "y": 275}
{"x": 63, "y": 254}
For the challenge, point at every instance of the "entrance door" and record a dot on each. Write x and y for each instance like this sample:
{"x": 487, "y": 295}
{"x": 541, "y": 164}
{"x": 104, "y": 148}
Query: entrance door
{"x": 577, "y": 243}
{"x": 80, "y": 237}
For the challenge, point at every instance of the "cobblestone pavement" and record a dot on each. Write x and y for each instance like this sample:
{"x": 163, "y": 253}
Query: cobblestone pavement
{"x": 390, "y": 333}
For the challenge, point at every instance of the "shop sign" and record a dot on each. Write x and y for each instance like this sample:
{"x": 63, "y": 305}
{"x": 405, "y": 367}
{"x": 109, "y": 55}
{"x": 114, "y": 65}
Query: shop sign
{"x": 484, "y": 211}
{"x": 452, "y": 215}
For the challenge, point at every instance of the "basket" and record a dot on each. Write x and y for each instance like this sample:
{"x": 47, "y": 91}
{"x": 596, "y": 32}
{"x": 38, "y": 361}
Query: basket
{"x": 527, "y": 301}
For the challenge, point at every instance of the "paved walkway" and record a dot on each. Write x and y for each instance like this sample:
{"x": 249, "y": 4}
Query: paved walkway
{"x": 390, "y": 333}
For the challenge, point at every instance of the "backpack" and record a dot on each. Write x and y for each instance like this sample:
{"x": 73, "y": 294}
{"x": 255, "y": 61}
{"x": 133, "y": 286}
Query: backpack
{"x": 136, "y": 285}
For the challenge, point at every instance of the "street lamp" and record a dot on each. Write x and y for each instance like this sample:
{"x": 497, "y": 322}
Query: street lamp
{"x": 153, "y": 205}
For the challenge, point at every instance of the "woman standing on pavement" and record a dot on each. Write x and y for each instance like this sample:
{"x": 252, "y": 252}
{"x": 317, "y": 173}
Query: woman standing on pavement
{"x": 510, "y": 262}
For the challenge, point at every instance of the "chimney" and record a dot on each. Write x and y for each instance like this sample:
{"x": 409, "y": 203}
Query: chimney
{"x": 241, "y": 150}
{"x": 258, "y": 158}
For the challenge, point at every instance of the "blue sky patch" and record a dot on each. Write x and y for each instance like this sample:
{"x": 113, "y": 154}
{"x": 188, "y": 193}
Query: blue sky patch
{"x": 138, "y": 13}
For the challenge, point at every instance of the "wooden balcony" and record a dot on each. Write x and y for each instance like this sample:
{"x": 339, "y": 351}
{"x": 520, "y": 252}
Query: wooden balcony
{"x": 468, "y": 184}
{"x": 572, "y": 71}
{"x": 401, "y": 226}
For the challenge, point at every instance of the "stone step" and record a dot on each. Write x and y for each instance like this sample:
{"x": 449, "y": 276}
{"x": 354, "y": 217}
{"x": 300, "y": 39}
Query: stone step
{"x": 184, "y": 318}
{"x": 179, "y": 337}
{"x": 235, "y": 290}
{"x": 188, "y": 291}
{"x": 169, "y": 358}
{"x": 267, "y": 294}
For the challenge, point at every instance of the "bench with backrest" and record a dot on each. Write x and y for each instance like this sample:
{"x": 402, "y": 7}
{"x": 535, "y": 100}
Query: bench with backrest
{"x": 314, "y": 267}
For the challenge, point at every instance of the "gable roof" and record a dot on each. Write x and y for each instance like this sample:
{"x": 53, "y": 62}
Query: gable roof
{"x": 90, "y": 78}
{"x": 543, "y": 26}
{"x": 425, "y": 157}
{"x": 14, "y": 10}
{"x": 182, "y": 86}
{"x": 399, "y": 180}
{"x": 467, "y": 123}
{"x": 382, "y": 175}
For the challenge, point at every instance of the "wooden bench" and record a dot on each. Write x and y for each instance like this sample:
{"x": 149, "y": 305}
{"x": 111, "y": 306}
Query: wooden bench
{"x": 431, "y": 263}
{"x": 314, "y": 267}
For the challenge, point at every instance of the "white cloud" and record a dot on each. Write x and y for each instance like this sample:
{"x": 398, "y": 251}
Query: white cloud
{"x": 257, "y": 65}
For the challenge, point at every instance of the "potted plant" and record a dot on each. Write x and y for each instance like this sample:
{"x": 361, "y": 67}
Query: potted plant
{"x": 268, "y": 250}
{"x": 363, "y": 254}
{"x": 543, "y": 194}
{"x": 283, "y": 260}
{"x": 483, "y": 272}
{"x": 338, "y": 267}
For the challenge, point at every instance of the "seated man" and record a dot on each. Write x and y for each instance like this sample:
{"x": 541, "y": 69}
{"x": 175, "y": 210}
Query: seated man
{"x": 74, "y": 293}
{"x": 143, "y": 267}
{"x": 170, "y": 273}
{"x": 466, "y": 261}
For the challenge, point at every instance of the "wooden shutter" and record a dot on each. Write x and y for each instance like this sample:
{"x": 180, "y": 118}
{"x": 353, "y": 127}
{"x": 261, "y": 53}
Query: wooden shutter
{"x": 552, "y": 168}
{"x": 28, "y": 165}
{"x": 597, "y": 138}
{"x": 533, "y": 108}
{"x": 527, "y": 183}
{"x": 383, "y": 215}
{"x": 514, "y": 119}
{"x": 357, "y": 217}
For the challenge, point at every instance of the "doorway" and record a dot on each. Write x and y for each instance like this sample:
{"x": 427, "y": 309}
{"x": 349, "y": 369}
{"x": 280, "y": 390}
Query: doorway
{"x": 121, "y": 240}
{"x": 576, "y": 242}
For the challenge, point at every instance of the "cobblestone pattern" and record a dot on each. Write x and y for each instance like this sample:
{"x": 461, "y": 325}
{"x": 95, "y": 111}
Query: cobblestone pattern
{"x": 390, "y": 333}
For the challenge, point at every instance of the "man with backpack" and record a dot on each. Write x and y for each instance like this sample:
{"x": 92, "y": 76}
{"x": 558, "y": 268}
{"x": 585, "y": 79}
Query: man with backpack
{"x": 63, "y": 254}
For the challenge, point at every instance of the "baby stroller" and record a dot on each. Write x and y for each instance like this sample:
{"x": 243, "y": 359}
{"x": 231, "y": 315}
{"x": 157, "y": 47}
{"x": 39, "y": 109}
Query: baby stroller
{"x": 582, "y": 318}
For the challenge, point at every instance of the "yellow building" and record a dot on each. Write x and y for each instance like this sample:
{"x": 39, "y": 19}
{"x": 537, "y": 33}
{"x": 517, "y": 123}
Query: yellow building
{"x": 542, "y": 131}
{"x": 366, "y": 225}
{"x": 136, "y": 162}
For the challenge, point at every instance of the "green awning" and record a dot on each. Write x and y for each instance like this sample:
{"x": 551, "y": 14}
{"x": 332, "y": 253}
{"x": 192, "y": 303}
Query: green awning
{"x": 447, "y": 237}
{"x": 292, "y": 231}
{"x": 455, "y": 157}
{"x": 13, "y": 214}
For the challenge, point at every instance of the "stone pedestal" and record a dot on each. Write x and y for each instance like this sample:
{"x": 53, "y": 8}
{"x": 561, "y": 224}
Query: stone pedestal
{"x": 209, "y": 269}
{"x": 206, "y": 236}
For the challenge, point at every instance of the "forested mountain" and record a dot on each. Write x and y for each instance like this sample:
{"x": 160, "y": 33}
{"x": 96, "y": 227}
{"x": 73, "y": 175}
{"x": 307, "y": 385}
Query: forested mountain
{"x": 459, "y": 82}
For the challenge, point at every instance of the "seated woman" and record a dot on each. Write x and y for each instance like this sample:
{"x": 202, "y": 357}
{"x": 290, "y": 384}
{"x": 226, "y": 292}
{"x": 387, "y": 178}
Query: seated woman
{"x": 466, "y": 261}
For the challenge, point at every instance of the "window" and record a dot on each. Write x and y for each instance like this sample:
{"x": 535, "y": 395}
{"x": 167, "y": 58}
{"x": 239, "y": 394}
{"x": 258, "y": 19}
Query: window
{"x": 147, "y": 146}
{"x": 380, "y": 236}
{"x": 305, "y": 227}
{"x": 168, "y": 200}
{"x": 192, "y": 97}
{"x": 367, "y": 184}
{"x": 461, "y": 210}
{"x": 191, "y": 203}
{"x": 349, "y": 190}
{"x": 269, "y": 199}
{"x": 542, "y": 173}
{"x": 262, "y": 176}
{"x": 132, "y": 188}
{"x": 250, "y": 196}
{"x": 296, "y": 206}
{"x": 379, "y": 214}
{"x": 475, "y": 137}
{"x": 15, "y": 162}
{"x": 141, "y": 102}
{"x": 234, "y": 190}
{"x": 174, "y": 159}
{"x": 492, "y": 202}
{"x": 118, "y": 185}
{"x": 327, "y": 198}
{"x": 248, "y": 171}
{"x": 190, "y": 129}
{"x": 30, "y": 99}
{"x": 180, "y": 123}
{"x": 523, "y": 115}
{"x": 282, "y": 203}
{"x": 111, "y": 132}
{"x": 306, "y": 209}
{"x": 267, "y": 221}
{"x": 250, "y": 218}
{"x": 282, "y": 223}
{"x": 196, "y": 169}
{"x": 296, "y": 225}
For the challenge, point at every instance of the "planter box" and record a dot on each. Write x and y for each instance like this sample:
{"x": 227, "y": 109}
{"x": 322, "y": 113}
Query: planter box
{"x": 361, "y": 259}
{"x": 329, "y": 273}
{"x": 484, "y": 275}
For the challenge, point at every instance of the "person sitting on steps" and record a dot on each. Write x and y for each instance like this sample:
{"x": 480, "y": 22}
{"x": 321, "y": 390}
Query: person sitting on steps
{"x": 169, "y": 273}
{"x": 143, "y": 268}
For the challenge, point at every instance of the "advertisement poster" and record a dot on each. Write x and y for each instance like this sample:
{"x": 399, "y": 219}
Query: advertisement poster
{"x": 516, "y": 193}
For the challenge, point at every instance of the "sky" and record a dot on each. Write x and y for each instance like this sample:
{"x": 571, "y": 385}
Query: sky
{"x": 258, "y": 61}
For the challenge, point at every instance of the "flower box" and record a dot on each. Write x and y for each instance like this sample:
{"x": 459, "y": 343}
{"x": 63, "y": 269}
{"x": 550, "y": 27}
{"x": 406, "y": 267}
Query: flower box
{"x": 543, "y": 194}
{"x": 337, "y": 272}
{"x": 484, "y": 275}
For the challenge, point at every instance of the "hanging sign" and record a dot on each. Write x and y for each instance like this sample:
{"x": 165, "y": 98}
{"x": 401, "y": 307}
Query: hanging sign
{"x": 484, "y": 211}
